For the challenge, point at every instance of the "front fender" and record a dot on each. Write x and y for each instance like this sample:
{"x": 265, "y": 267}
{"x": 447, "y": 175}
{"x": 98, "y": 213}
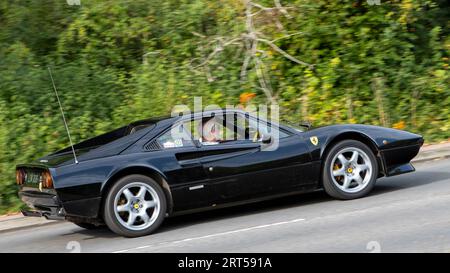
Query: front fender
{"x": 327, "y": 136}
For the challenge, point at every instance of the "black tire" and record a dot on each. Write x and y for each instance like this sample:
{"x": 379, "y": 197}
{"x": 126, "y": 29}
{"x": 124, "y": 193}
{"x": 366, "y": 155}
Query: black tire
{"x": 88, "y": 226}
{"x": 109, "y": 213}
{"x": 328, "y": 182}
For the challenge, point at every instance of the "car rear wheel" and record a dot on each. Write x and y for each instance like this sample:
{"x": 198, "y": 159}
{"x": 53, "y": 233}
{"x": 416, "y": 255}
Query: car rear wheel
{"x": 135, "y": 206}
{"x": 350, "y": 170}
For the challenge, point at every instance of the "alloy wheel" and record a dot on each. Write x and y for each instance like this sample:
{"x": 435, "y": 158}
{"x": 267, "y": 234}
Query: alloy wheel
{"x": 351, "y": 169}
{"x": 136, "y": 206}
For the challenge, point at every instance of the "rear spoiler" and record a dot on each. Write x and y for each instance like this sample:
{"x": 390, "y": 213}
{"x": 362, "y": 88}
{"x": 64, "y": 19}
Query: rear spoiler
{"x": 33, "y": 165}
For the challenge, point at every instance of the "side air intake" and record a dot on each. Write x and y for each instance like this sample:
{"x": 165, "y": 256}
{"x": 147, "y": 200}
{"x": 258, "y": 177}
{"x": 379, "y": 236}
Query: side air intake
{"x": 153, "y": 146}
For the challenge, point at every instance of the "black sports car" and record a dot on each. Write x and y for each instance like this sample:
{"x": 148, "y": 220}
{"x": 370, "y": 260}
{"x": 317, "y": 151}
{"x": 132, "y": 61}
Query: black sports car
{"x": 132, "y": 178}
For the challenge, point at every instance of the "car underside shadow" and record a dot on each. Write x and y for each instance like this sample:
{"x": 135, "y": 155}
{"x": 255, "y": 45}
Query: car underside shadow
{"x": 247, "y": 209}
{"x": 415, "y": 179}
{"x": 173, "y": 223}
{"x": 384, "y": 185}
{"x": 92, "y": 234}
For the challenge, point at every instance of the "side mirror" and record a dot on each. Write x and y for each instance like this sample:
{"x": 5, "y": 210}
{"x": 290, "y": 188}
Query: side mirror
{"x": 266, "y": 139}
{"x": 306, "y": 124}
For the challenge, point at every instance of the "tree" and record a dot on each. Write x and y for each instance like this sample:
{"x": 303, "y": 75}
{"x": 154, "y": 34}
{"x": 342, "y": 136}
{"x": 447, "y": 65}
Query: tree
{"x": 254, "y": 44}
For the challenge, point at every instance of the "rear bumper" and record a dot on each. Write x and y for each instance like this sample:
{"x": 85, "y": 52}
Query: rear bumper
{"x": 51, "y": 205}
{"x": 43, "y": 204}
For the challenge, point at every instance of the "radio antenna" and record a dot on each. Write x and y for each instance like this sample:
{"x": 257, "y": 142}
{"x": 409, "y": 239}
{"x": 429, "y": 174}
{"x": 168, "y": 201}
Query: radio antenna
{"x": 64, "y": 117}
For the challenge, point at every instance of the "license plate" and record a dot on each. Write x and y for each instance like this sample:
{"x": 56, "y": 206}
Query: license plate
{"x": 32, "y": 178}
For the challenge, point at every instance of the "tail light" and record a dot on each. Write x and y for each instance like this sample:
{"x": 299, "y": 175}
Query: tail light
{"x": 47, "y": 181}
{"x": 20, "y": 177}
{"x": 43, "y": 178}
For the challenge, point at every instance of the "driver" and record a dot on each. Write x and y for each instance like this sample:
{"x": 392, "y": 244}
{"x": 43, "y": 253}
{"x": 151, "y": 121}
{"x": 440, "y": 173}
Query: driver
{"x": 210, "y": 132}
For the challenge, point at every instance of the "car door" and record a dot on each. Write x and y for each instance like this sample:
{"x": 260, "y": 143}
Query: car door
{"x": 242, "y": 168}
{"x": 178, "y": 156}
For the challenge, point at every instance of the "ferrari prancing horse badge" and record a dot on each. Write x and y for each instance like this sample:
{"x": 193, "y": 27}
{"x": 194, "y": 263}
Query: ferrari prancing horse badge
{"x": 314, "y": 140}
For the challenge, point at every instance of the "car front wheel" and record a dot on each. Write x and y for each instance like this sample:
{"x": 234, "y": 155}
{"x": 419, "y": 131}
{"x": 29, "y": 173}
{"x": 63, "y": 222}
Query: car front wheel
{"x": 135, "y": 206}
{"x": 350, "y": 170}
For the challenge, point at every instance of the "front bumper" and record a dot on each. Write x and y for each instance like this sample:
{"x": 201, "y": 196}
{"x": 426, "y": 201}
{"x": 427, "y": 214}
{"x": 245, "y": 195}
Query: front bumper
{"x": 397, "y": 160}
{"x": 43, "y": 204}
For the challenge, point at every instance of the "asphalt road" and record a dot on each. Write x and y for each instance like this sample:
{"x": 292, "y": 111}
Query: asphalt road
{"x": 407, "y": 213}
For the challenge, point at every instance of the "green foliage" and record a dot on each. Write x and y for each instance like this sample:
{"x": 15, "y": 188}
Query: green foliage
{"x": 118, "y": 61}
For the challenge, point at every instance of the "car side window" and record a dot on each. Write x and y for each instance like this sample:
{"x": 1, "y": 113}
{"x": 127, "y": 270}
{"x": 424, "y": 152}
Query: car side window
{"x": 177, "y": 136}
{"x": 231, "y": 128}
{"x": 256, "y": 130}
{"x": 263, "y": 128}
{"x": 217, "y": 129}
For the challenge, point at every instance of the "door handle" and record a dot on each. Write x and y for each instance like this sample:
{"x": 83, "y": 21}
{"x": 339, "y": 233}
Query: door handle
{"x": 189, "y": 163}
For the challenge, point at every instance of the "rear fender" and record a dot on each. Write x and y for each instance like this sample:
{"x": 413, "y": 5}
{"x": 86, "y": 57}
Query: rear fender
{"x": 151, "y": 172}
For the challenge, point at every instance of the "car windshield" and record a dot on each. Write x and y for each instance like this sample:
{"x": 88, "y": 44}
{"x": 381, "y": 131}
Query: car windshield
{"x": 134, "y": 129}
{"x": 294, "y": 126}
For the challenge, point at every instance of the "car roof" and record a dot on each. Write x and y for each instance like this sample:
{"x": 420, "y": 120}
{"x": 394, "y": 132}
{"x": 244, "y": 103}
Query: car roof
{"x": 172, "y": 119}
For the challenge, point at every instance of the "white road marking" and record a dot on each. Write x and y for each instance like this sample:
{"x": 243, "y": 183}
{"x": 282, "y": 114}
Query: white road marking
{"x": 214, "y": 235}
